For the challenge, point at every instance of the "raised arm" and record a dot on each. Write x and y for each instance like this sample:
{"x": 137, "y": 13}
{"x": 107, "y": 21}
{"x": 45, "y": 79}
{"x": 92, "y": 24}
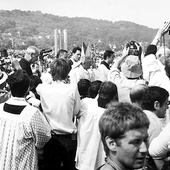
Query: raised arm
{"x": 161, "y": 32}
{"x": 120, "y": 59}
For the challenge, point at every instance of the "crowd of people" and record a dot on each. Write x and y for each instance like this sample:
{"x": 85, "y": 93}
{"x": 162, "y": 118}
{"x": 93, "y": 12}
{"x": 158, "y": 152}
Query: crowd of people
{"x": 77, "y": 115}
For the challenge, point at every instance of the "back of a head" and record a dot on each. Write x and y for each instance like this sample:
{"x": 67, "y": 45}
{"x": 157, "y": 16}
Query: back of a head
{"x": 16, "y": 65}
{"x": 154, "y": 93}
{"x": 107, "y": 92}
{"x": 59, "y": 69}
{"x": 119, "y": 118}
{"x": 19, "y": 83}
{"x": 151, "y": 49}
{"x": 61, "y": 52}
{"x": 83, "y": 87}
{"x": 87, "y": 62}
{"x": 3, "y": 53}
{"x": 94, "y": 88}
{"x": 137, "y": 92}
{"x": 34, "y": 82}
{"x": 163, "y": 54}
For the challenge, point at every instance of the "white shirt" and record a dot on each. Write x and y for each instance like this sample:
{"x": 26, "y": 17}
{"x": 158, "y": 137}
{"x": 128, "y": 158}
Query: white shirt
{"x": 60, "y": 103}
{"x": 160, "y": 145}
{"x": 21, "y": 135}
{"x": 154, "y": 73}
{"x": 90, "y": 152}
{"x": 155, "y": 126}
{"x": 104, "y": 71}
{"x": 123, "y": 84}
{"x": 78, "y": 73}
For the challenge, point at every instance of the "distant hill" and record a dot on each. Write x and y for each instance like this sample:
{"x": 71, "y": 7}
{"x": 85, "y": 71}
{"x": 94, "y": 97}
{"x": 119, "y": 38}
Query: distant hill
{"x": 27, "y": 27}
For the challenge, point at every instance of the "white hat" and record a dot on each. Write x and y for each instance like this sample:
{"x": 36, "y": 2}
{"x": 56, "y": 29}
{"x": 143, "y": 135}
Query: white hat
{"x": 3, "y": 77}
{"x": 131, "y": 67}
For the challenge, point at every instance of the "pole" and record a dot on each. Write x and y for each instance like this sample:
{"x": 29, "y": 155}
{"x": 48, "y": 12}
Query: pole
{"x": 65, "y": 38}
{"x": 56, "y": 41}
{"x": 60, "y": 39}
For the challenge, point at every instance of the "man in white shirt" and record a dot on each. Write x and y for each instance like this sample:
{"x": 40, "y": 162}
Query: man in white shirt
{"x": 60, "y": 104}
{"x": 104, "y": 67}
{"x": 153, "y": 68}
{"x": 155, "y": 103}
{"x": 90, "y": 153}
{"x": 81, "y": 72}
{"x": 74, "y": 61}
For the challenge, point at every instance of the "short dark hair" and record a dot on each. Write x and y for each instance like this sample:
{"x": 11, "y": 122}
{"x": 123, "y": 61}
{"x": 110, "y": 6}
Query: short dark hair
{"x": 119, "y": 118}
{"x": 34, "y": 82}
{"x": 83, "y": 87}
{"x": 154, "y": 93}
{"x": 107, "y": 93}
{"x": 19, "y": 83}
{"x": 108, "y": 53}
{"x": 61, "y": 51}
{"x": 94, "y": 88}
{"x": 59, "y": 69}
{"x": 75, "y": 49}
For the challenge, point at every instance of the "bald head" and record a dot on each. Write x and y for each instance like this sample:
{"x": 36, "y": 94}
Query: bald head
{"x": 163, "y": 54}
{"x": 137, "y": 93}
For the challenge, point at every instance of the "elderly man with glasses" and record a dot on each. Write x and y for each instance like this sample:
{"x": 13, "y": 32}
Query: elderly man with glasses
{"x": 31, "y": 55}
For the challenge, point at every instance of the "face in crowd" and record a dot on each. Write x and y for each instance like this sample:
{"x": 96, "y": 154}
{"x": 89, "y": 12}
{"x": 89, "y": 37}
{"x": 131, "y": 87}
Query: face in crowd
{"x": 77, "y": 55}
{"x": 132, "y": 149}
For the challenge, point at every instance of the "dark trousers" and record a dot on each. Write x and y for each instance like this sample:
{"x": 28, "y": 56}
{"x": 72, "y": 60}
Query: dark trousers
{"x": 59, "y": 153}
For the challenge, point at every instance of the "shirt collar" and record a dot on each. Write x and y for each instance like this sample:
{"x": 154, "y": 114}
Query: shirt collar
{"x": 114, "y": 164}
{"x": 106, "y": 64}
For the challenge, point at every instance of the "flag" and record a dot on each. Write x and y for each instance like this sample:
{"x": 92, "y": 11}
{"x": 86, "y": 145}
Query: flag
{"x": 82, "y": 59}
{"x": 88, "y": 50}
{"x": 85, "y": 47}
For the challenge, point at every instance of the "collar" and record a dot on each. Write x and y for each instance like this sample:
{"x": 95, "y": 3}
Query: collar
{"x": 72, "y": 60}
{"x": 17, "y": 101}
{"x": 59, "y": 82}
{"x": 106, "y": 64}
{"x": 115, "y": 165}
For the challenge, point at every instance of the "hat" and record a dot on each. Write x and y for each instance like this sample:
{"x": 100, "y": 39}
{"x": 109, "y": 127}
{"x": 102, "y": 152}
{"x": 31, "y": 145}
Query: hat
{"x": 131, "y": 67}
{"x": 3, "y": 77}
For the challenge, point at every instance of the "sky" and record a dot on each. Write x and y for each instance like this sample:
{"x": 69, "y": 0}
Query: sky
{"x": 151, "y": 13}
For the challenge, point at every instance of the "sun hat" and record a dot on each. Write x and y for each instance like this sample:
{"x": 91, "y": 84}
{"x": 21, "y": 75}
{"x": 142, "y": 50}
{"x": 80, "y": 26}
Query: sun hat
{"x": 131, "y": 67}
